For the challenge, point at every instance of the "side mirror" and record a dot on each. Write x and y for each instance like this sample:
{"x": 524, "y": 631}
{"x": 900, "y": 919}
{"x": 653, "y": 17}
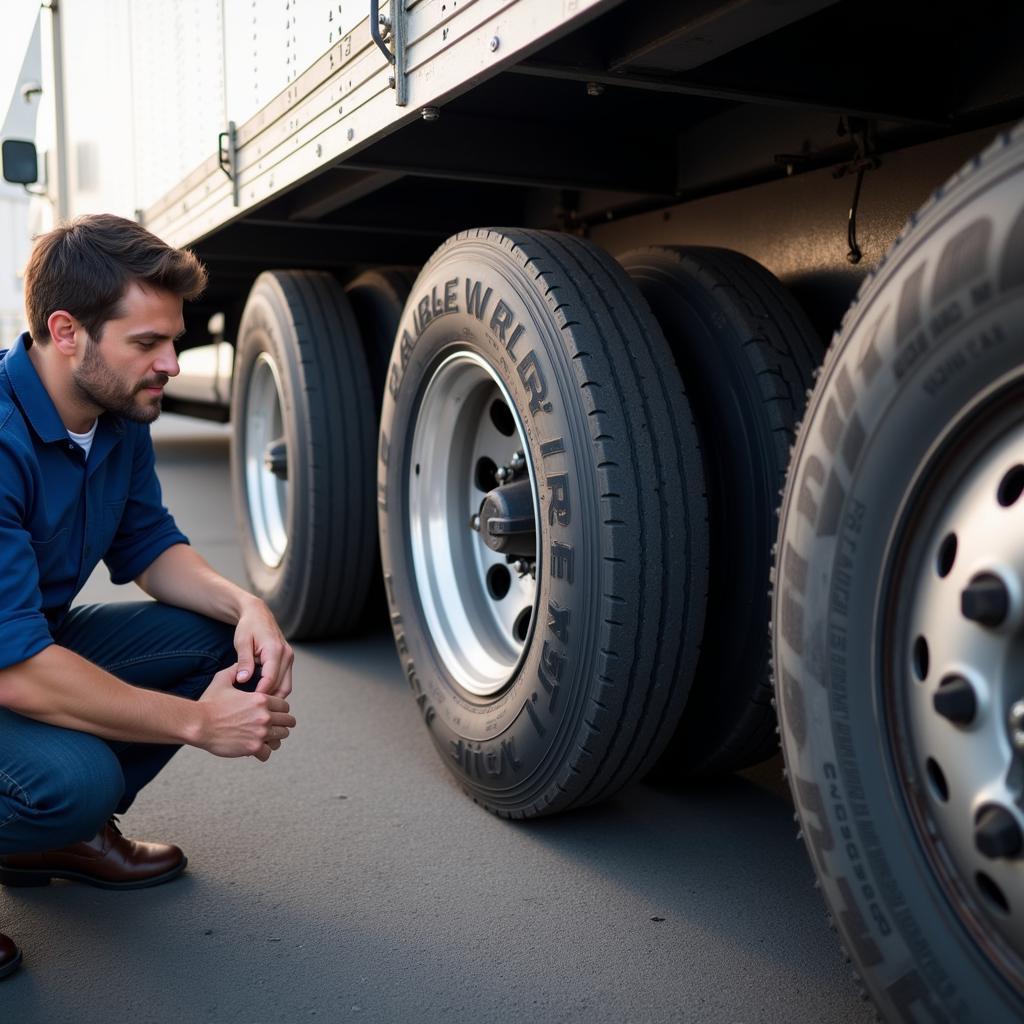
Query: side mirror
{"x": 20, "y": 163}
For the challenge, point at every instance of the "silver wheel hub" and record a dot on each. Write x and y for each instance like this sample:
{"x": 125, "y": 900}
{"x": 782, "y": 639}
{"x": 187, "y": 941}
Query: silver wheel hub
{"x": 965, "y": 687}
{"x": 473, "y": 524}
{"x": 266, "y": 462}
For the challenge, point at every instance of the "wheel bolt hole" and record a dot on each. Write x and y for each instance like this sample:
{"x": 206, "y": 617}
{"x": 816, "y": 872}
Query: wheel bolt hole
{"x": 947, "y": 555}
{"x": 501, "y": 417}
{"x": 484, "y": 477}
{"x": 522, "y": 625}
{"x": 1011, "y": 486}
{"x": 937, "y": 778}
{"x": 921, "y": 658}
{"x": 499, "y": 580}
{"x": 992, "y": 892}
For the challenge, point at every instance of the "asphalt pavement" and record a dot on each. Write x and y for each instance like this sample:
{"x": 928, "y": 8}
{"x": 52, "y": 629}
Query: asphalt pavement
{"x": 349, "y": 879}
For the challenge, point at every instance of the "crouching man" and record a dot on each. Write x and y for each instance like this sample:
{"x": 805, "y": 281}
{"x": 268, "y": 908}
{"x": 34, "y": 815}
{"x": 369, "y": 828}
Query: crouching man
{"x": 95, "y": 700}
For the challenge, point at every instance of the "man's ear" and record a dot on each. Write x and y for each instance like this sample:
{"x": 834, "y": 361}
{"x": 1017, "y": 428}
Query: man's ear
{"x": 64, "y": 331}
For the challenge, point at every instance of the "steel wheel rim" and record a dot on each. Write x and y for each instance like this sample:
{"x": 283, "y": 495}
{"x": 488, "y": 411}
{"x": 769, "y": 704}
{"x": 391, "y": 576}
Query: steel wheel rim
{"x": 266, "y": 493}
{"x": 480, "y": 638}
{"x": 961, "y": 758}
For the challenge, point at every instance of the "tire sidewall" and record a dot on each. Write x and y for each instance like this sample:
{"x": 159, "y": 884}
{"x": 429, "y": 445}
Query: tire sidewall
{"x": 889, "y": 391}
{"x": 266, "y": 328}
{"x": 509, "y": 746}
{"x": 733, "y": 427}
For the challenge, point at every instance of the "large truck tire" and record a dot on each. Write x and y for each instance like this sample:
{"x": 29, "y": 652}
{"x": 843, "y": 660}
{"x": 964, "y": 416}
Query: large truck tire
{"x": 898, "y": 635}
{"x": 378, "y": 299}
{"x": 747, "y": 354}
{"x": 302, "y": 457}
{"x": 542, "y": 520}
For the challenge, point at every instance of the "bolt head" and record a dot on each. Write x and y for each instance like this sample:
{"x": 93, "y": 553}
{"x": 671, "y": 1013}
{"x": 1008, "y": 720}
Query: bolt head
{"x": 996, "y": 832}
{"x": 494, "y": 43}
{"x": 1017, "y": 715}
{"x": 955, "y": 700}
{"x": 430, "y": 113}
{"x": 985, "y": 600}
{"x": 595, "y": 89}
{"x": 1016, "y": 719}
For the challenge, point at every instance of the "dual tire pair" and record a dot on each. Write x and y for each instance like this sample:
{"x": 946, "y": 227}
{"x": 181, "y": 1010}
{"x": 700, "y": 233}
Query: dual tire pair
{"x": 645, "y": 649}
{"x": 552, "y": 677}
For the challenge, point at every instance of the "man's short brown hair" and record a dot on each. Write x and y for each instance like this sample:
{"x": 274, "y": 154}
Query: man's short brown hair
{"x": 86, "y": 265}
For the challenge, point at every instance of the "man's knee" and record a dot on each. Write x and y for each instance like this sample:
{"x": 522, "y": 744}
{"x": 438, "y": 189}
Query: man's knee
{"x": 74, "y": 794}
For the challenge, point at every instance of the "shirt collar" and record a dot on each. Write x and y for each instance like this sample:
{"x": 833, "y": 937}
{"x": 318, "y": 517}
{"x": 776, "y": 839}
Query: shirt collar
{"x": 35, "y": 400}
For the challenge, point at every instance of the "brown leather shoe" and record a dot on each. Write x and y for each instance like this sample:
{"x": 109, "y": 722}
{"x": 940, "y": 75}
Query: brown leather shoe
{"x": 108, "y": 860}
{"x": 10, "y": 956}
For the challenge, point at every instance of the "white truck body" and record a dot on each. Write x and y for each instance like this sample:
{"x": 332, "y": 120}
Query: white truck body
{"x": 702, "y": 178}
{"x": 19, "y": 91}
{"x": 149, "y": 87}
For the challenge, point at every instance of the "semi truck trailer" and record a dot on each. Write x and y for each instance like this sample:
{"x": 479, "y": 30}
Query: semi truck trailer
{"x": 655, "y": 368}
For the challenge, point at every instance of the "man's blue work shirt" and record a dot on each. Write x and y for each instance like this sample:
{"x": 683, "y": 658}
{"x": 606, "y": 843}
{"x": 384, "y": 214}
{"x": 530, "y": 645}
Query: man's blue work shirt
{"x": 60, "y": 513}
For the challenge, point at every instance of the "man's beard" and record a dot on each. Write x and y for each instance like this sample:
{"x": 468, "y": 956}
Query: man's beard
{"x": 98, "y": 384}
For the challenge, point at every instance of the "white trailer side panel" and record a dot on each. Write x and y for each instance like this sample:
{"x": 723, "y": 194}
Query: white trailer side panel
{"x": 178, "y": 89}
{"x": 150, "y": 84}
{"x": 143, "y": 95}
{"x": 271, "y": 42}
{"x": 342, "y": 101}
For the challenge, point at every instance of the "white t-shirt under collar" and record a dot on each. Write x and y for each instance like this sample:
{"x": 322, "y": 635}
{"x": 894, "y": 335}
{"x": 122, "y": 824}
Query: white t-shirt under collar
{"x": 84, "y": 441}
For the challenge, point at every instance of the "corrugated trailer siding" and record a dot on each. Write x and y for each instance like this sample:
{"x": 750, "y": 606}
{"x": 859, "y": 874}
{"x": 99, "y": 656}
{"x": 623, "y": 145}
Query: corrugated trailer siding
{"x": 342, "y": 102}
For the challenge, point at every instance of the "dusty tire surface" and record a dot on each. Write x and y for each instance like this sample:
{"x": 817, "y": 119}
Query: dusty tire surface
{"x": 309, "y": 545}
{"x": 747, "y": 355}
{"x": 917, "y": 417}
{"x": 549, "y": 333}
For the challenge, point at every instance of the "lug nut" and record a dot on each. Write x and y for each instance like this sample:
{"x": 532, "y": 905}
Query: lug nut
{"x": 996, "y": 832}
{"x": 501, "y": 474}
{"x": 985, "y": 600}
{"x": 517, "y": 461}
{"x": 955, "y": 700}
{"x": 1017, "y": 725}
{"x": 474, "y": 522}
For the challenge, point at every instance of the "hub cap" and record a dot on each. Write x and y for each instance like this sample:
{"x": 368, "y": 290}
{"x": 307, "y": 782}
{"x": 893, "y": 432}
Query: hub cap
{"x": 963, "y": 651}
{"x": 266, "y": 462}
{"x": 471, "y": 491}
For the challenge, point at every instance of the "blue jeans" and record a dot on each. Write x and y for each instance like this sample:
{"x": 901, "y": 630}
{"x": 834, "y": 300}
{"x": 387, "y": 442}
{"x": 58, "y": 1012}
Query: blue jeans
{"x": 58, "y": 786}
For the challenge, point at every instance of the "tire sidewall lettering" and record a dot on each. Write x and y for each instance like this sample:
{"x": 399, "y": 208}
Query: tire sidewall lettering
{"x": 499, "y": 741}
{"x": 885, "y": 398}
